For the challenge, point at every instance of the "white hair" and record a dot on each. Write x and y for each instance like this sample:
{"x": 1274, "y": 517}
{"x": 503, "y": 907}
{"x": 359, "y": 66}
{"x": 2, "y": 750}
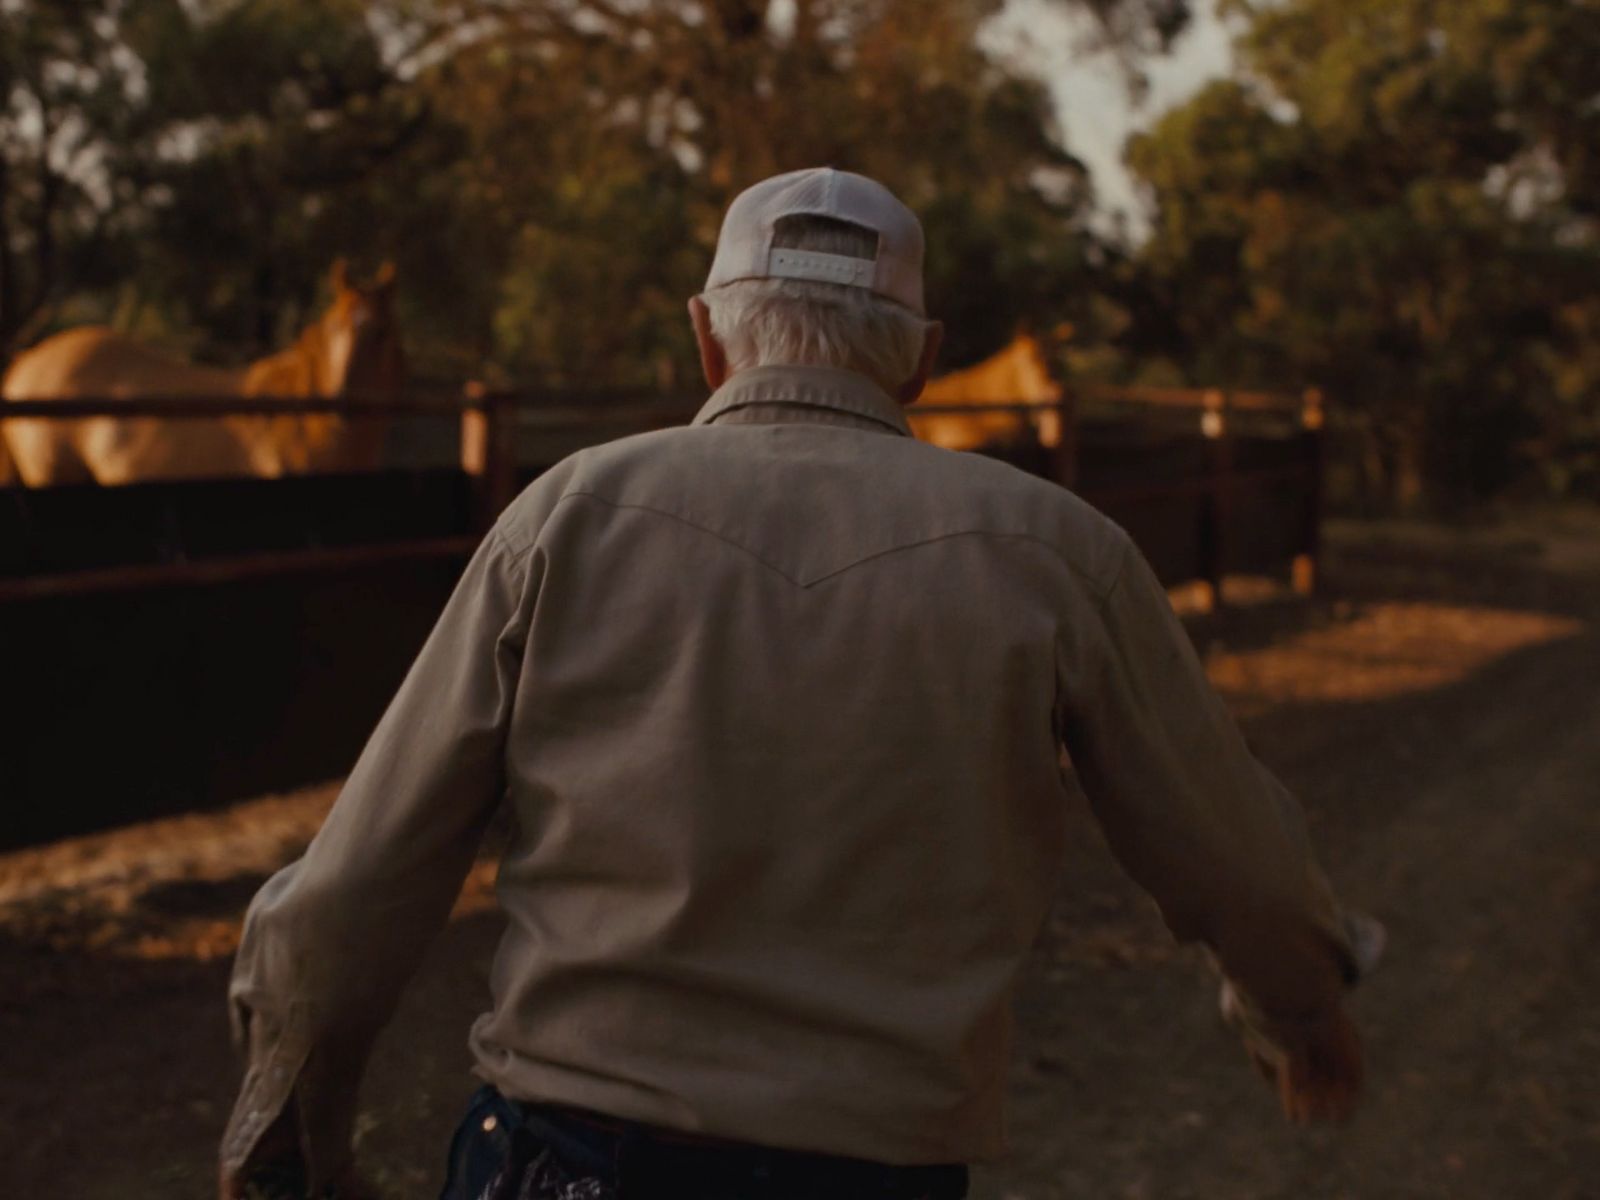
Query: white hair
{"x": 801, "y": 322}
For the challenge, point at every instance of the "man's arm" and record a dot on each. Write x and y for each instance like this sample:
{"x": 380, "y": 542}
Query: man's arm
{"x": 1211, "y": 835}
{"x": 330, "y": 940}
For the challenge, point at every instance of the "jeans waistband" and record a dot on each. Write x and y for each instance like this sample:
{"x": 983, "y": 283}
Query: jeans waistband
{"x": 639, "y": 1159}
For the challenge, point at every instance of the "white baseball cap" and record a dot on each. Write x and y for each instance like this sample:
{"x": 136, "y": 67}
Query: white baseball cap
{"x": 745, "y": 249}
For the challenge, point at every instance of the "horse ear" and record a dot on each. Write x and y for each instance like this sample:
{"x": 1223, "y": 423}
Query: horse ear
{"x": 384, "y": 279}
{"x": 340, "y": 275}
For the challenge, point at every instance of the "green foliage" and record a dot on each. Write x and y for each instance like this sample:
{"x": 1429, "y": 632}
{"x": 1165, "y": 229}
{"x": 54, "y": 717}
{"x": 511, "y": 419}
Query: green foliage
{"x": 63, "y": 96}
{"x": 1396, "y": 201}
{"x": 548, "y": 173}
{"x": 266, "y": 126}
{"x": 649, "y": 118}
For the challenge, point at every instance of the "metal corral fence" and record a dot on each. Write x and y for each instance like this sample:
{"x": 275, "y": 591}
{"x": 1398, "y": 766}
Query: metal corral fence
{"x": 174, "y": 645}
{"x": 1208, "y": 483}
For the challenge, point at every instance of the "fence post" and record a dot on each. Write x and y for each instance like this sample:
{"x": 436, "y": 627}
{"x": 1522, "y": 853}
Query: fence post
{"x": 1066, "y": 449}
{"x": 1307, "y": 564}
{"x": 502, "y": 459}
{"x": 489, "y": 449}
{"x": 474, "y": 431}
{"x": 1214, "y": 503}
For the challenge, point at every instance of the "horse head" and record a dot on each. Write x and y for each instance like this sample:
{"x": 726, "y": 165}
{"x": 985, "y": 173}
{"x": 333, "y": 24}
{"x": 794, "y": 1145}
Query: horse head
{"x": 1017, "y": 373}
{"x": 352, "y": 351}
{"x": 362, "y": 355}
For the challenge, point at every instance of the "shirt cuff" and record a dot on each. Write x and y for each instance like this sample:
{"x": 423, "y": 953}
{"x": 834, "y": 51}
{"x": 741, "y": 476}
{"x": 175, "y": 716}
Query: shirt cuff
{"x": 277, "y": 1058}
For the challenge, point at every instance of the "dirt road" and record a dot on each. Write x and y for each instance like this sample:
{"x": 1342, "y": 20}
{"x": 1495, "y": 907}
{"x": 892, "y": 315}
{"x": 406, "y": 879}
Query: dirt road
{"x": 1438, "y": 711}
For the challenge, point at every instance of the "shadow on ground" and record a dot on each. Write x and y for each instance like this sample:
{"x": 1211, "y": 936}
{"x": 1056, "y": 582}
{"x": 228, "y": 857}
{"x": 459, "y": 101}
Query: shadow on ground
{"x": 1435, "y": 709}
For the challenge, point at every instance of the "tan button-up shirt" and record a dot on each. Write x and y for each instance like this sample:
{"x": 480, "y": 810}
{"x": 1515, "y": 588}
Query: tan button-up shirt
{"x": 777, "y": 701}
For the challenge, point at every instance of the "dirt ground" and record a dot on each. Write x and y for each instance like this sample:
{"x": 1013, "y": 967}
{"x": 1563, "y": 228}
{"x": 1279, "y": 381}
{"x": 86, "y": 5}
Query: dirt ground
{"x": 1437, "y": 708}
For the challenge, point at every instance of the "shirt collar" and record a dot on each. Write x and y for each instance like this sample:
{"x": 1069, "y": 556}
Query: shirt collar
{"x": 809, "y": 387}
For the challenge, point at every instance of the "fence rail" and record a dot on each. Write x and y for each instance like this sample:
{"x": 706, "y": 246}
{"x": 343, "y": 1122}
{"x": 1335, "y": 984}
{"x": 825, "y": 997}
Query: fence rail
{"x": 232, "y": 569}
{"x": 498, "y": 427}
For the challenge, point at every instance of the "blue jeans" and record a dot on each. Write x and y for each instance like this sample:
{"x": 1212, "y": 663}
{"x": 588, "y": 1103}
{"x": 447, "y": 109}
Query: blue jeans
{"x": 509, "y": 1151}
{"x": 480, "y": 1145}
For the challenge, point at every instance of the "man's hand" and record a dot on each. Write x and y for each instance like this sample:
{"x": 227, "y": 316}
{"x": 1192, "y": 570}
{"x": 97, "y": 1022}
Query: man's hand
{"x": 276, "y": 1169}
{"x": 1316, "y": 1068}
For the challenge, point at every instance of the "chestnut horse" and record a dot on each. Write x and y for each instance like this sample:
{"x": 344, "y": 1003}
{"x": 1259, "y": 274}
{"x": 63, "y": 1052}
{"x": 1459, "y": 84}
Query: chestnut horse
{"x": 352, "y": 350}
{"x": 1015, "y": 375}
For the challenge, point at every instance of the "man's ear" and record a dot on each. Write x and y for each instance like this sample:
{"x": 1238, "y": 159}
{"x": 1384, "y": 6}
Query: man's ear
{"x": 908, "y": 391}
{"x": 713, "y": 358}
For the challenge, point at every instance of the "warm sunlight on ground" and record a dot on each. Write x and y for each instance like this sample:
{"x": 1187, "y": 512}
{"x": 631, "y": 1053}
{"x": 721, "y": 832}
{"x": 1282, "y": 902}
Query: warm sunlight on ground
{"x": 1379, "y": 652}
{"x": 170, "y": 888}
{"x": 176, "y": 887}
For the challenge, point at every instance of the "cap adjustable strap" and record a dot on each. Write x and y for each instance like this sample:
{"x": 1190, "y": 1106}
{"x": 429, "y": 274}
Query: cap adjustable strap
{"x": 824, "y": 268}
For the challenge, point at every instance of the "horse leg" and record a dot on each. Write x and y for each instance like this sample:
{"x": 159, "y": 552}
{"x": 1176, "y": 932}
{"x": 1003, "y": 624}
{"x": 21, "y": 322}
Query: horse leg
{"x": 47, "y": 452}
{"x": 118, "y": 450}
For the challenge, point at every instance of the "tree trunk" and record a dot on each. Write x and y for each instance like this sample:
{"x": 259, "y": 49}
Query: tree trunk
{"x": 44, "y": 246}
{"x": 10, "y": 318}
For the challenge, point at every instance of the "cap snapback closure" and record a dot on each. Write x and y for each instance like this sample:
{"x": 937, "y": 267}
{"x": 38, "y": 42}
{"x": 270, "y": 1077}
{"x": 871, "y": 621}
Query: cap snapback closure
{"x": 787, "y": 263}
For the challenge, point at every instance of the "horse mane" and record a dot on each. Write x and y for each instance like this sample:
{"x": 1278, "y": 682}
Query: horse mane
{"x": 295, "y": 371}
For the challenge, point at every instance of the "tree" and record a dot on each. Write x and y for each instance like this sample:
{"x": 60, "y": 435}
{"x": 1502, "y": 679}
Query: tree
{"x": 260, "y": 153}
{"x": 63, "y": 93}
{"x": 605, "y": 139}
{"x": 189, "y": 167}
{"x": 1394, "y": 202}
{"x": 550, "y": 173}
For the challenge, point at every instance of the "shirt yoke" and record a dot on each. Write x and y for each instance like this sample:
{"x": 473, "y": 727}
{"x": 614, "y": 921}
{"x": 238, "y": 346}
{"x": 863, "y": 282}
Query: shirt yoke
{"x": 812, "y": 502}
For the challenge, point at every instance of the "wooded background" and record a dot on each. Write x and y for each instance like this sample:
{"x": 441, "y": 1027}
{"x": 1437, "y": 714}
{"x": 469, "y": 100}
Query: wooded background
{"x": 1395, "y": 200}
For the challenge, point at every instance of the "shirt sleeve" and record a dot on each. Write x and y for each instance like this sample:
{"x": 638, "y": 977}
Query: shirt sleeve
{"x": 1194, "y": 818}
{"x": 331, "y": 939}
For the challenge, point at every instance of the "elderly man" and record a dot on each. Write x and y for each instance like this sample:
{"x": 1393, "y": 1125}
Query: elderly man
{"x": 777, "y": 701}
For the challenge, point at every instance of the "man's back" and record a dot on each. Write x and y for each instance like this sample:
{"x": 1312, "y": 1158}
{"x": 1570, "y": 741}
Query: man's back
{"x": 785, "y": 770}
{"x": 778, "y": 703}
